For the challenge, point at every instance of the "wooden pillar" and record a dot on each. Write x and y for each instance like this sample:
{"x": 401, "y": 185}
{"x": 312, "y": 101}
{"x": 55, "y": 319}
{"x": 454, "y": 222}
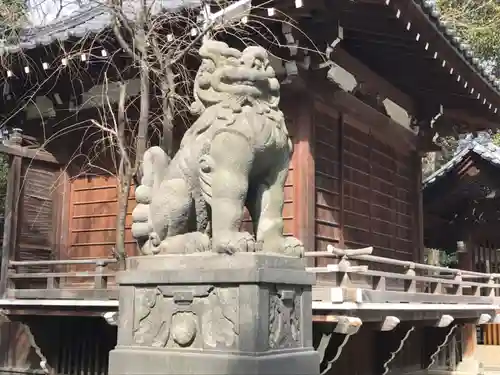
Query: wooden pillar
{"x": 465, "y": 256}
{"x": 304, "y": 192}
{"x": 11, "y": 216}
{"x": 418, "y": 211}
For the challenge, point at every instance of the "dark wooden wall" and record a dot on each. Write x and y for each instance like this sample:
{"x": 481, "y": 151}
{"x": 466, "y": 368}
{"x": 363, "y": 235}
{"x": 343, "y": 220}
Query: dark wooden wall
{"x": 37, "y": 211}
{"x": 365, "y": 187}
{"x": 366, "y": 352}
{"x": 71, "y": 345}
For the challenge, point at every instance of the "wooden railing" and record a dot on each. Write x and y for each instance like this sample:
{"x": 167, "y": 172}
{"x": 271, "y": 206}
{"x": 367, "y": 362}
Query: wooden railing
{"x": 358, "y": 279}
{"x": 353, "y": 276}
{"x": 93, "y": 284}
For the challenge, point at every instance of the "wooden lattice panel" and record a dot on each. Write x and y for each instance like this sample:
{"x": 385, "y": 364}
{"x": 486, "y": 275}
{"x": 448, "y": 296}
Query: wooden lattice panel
{"x": 327, "y": 180}
{"x": 36, "y": 220}
{"x": 364, "y": 189}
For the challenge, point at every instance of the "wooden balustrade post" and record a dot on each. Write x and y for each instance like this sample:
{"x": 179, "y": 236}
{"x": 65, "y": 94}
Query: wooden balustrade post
{"x": 469, "y": 364}
{"x": 411, "y": 285}
{"x": 100, "y": 280}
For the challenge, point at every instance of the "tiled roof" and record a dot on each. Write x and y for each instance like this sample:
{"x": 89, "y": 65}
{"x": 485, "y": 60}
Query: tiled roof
{"x": 86, "y": 20}
{"x": 462, "y": 48}
{"x": 490, "y": 153}
{"x": 92, "y": 19}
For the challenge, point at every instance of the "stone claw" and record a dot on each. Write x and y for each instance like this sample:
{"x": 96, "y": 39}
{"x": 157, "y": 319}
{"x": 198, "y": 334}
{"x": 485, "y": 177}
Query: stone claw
{"x": 290, "y": 246}
{"x": 189, "y": 243}
{"x": 293, "y": 247}
{"x": 233, "y": 242}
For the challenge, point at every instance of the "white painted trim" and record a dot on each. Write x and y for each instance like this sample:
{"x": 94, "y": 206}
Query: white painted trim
{"x": 319, "y": 305}
{"x": 57, "y": 302}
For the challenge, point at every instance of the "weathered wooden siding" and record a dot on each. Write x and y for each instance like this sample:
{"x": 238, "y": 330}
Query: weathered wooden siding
{"x": 486, "y": 258}
{"x": 365, "y": 188}
{"x": 327, "y": 144}
{"x": 371, "y": 351}
{"x": 93, "y": 207}
{"x": 16, "y": 352}
{"x": 37, "y": 216}
{"x": 360, "y": 344}
{"x": 71, "y": 345}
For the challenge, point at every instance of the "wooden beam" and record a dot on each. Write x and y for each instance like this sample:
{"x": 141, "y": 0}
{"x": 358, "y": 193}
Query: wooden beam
{"x": 59, "y": 311}
{"x": 303, "y": 171}
{"x": 62, "y": 294}
{"x": 380, "y": 124}
{"x": 460, "y": 116}
{"x": 28, "y": 153}
{"x": 11, "y": 216}
{"x": 373, "y": 80}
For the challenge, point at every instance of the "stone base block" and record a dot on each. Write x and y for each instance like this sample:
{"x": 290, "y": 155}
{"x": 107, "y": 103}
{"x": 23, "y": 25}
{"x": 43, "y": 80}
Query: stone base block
{"x": 128, "y": 361}
{"x": 469, "y": 366}
{"x": 247, "y": 313}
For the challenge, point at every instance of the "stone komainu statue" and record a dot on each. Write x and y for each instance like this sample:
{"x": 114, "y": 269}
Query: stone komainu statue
{"x": 236, "y": 154}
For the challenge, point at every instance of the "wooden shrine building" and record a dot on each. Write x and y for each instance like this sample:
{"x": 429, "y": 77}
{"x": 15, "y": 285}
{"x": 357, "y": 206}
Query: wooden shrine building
{"x": 461, "y": 206}
{"x": 366, "y": 85}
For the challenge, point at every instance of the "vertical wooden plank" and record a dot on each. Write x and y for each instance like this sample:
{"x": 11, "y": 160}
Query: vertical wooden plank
{"x": 10, "y": 219}
{"x": 304, "y": 173}
{"x": 371, "y": 177}
{"x": 341, "y": 179}
{"x": 394, "y": 203}
{"x": 58, "y": 199}
{"x": 66, "y": 216}
{"x": 494, "y": 334}
{"x": 469, "y": 341}
{"x": 418, "y": 225}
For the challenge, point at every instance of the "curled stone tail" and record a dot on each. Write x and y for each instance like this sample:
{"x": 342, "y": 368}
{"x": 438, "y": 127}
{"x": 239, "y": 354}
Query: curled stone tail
{"x": 154, "y": 165}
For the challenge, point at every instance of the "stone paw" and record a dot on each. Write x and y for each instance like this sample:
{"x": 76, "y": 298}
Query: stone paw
{"x": 189, "y": 243}
{"x": 233, "y": 242}
{"x": 290, "y": 246}
{"x": 293, "y": 247}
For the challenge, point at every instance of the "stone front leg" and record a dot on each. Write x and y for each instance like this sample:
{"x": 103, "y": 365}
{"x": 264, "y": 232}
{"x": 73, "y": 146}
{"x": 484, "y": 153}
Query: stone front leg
{"x": 269, "y": 210}
{"x": 232, "y": 156}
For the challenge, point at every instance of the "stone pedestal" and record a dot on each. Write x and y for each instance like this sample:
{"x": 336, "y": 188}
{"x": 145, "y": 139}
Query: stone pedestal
{"x": 249, "y": 313}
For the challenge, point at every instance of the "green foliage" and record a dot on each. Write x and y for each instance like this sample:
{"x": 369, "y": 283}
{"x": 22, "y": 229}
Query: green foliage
{"x": 12, "y": 14}
{"x": 432, "y": 161}
{"x": 478, "y": 23}
{"x": 495, "y": 138}
{"x": 446, "y": 258}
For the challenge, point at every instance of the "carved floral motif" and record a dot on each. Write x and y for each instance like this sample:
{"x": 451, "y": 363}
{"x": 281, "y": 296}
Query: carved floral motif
{"x": 220, "y": 321}
{"x": 284, "y": 320}
{"x": 174, "y": 317}
{"x": 152, "y": 321}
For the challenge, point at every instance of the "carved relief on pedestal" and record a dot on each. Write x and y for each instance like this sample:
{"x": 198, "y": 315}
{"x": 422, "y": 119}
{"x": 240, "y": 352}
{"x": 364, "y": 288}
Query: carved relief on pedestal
{"x": 220, "y": 320}
{"x": 284, "y": 319}
{"x": 186, "y": 316}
